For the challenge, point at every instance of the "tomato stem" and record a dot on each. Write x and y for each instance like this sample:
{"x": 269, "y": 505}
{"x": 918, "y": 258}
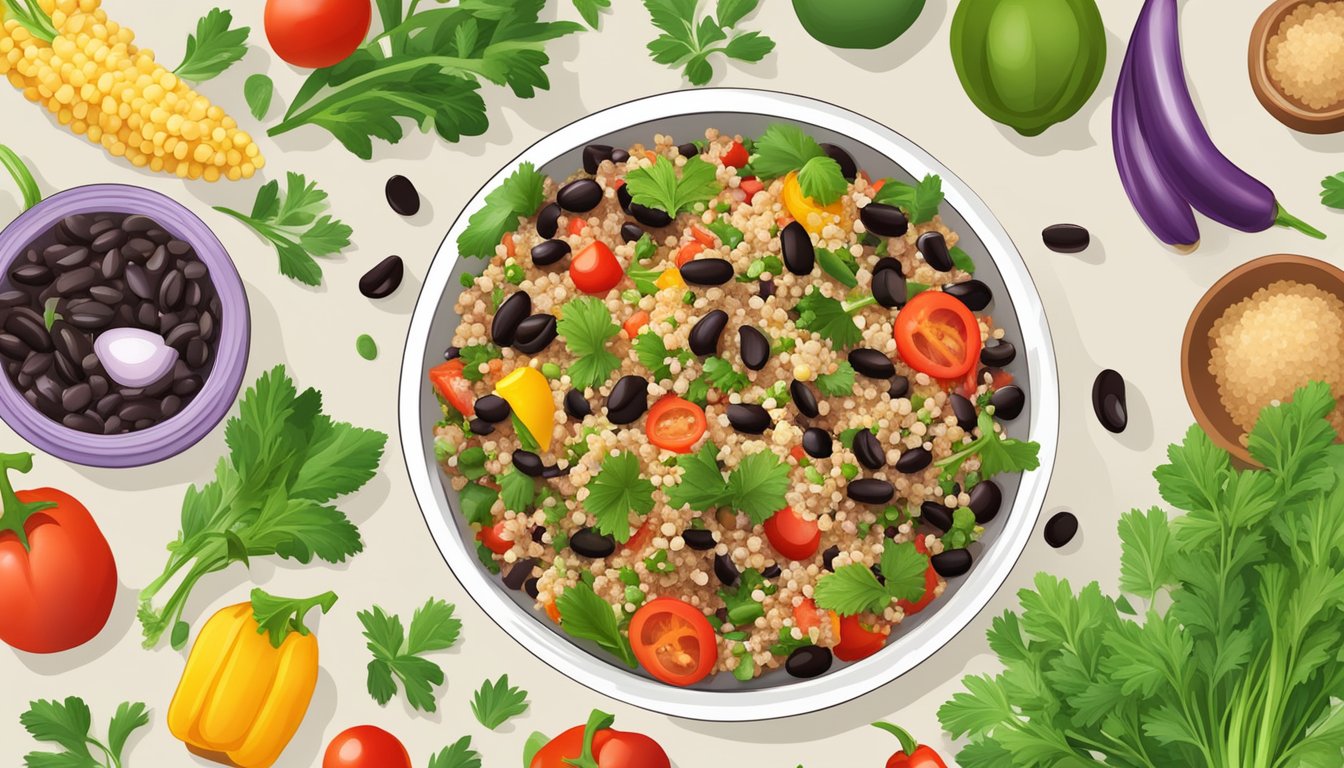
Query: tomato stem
{"x": 908, "y": 743}
{"x": 15, "y": 513}
{"x": 597, "y": 721}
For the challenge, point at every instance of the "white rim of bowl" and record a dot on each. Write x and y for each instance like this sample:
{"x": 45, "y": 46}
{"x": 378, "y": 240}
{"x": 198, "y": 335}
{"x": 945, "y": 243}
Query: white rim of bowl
{"x": 801, "y": 696}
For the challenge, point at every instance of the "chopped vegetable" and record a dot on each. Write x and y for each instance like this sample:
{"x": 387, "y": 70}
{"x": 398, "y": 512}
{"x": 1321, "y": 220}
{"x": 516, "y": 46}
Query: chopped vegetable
{"x": 688, "y": 44}
{"x": 297, "y": 225}
{"x": 658, "y": 186}
{"x": 812, "y": 214}
{"x": 595, "y": 270}
{"x": 586, "y": 616}
{"x": 398, "y": 654}
{"x": 214, "y": 48}
{"x": 22, "y": 177}
{"x": 673, "y": 641}
{"x": 586, "y": 328}
{"x": 937, "y": 335}
{"x": 743, "y": 608}
{"x": 529, "y": 396}
{"x": 520, "y": 195}
{"x": 854, "y": 588}
{"x": 730, "y": 235}
{"x": 475, "y": 355}
{"x": 258, "y": 89}
{"x": 66, "y": 724}
{"x": 497, "y": 702}
{"x": 963, "y": 532}
{"x": 366, "y": 347}
{"x": 617, "y": 490}
{"x": 839, "y": 265}
{"x": 675, "y": 424}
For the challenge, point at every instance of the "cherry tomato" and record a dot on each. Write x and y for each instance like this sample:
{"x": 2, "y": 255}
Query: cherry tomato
{"x": 57, "y": 576}
{"x": 736, "y": 156}
{"x": 704, "y": 237}
{"x": 493, "y": 538}
{"x": 366, "y": 746}
{"x": 930, "y": 584}
{"x": 447, "y": 378}
{"x": 316, "y": 33}
{"x": 595, "y": 269}
{"x": 688, "y": 252}
{"x": 791, "y": 535}
{"x": 675, "y": 424}
{"x": 674, "y": 641}
{"x": 610, "y": 748}
{"x": 634, "y": 323}
{"x": 857, "y": 641}
{"x": 750, "y": 186}
{"x": 936, "y": 334}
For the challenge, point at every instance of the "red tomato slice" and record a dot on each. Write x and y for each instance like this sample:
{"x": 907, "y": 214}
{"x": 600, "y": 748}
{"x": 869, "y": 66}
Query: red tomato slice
{"x": 493, "y": 538}
{"x": 634, "y": 323}
{"x": 930, "y": 584}
{"x": 688, "y": 251}
{"x": 936, "y": 334}
{"x": 366, "y": 746}
{"x": 857, "y": 641}
{"x": 595, "y": 269}
{"x": 704, "y": 237}
{"x": 447, "y": 378}
{"x": 791, "y": 535}
{"x": 750, "y": 186}
{"x": 736, "y": 156}
{"x": 674, "y": 641}
{"x": 675, "y": 424}
{"x": 806, "y": 616}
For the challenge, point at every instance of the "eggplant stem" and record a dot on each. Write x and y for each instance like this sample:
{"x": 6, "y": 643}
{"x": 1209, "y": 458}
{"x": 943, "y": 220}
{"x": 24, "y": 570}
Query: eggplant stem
{"x": 1285, "y": 219}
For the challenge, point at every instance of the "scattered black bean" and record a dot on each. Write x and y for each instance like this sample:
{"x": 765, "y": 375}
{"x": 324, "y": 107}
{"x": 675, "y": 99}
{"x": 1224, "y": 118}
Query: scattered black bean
{"x": 934, "y": 248}
{"x": 478, "y": 427}
{"x": 532, "y": 587}
{"x": 1066, "y": 238}
{"x": 504, "y": 327}
{"x": 871, "y": 363}
{"x": 587, "y": 542}
{"x": 808, "y": 661}
{"x": 900, "y": 387}
{"x": 767, "y": 288}
{"x": 914, "y": 460}
{"x": 649, "y": 217}
{"x": 402, "y": 196}
{"x": 998, "y": 356}
{"x": 1109, "y": 401}
{"x": 887, "y": 262}
{"x": 800, "y": 256}
{"x": 548, "y": 221}
{"x": 579, "y": 196}
{"x": 623, "y": 197}
{"x": 889, "y": 288}
{"x": 772, "y": 571}
{"x": 576, "y": 405}
{"x": 704, "y": 338}
{"x": 828, "y": 557}
{"x": 804, "y": 399}
{"x": 593, "y": 157}
{"x": 1060, "y": 529}
{"x": 493, "y": 408}
{"x": 937, "y": 515}
{"x": 868, "y": 450}
{"x": 384, "y": 279}
{"x": 986, "y": 500}
{"x": 869, "y": 490}
{"x": 549, "y": 252}
{"x": 884, "y": 220}
{"x": 631, "y": 232}
{"x": 726, "y": 570}
{"x": 818, "y": 443}
{"x": 707, "y": 271}
{"x": 755, "y": 347}
{"x": 973, "y": 293}
{"x": 848, "y": 168}
{"x": 619, "y": 155}
{"x": 519, "y": 573}
{"x": 699, "y": 539}
{"x": 1008, "y": 402}
{"x": 748, "y": 418}
{"x": 951, "y": 563}
{"x": 629, "y": 400}
{"x": 535, "y": 333}
{"x": 964, "y": 410}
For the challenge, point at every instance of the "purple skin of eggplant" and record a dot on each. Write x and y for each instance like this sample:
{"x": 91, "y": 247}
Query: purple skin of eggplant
{"x": 1160, "y": 206}
{"x": 1181, "y": 144}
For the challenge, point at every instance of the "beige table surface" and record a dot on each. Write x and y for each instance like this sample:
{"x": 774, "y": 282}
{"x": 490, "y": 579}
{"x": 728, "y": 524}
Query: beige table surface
{"x": 1123, "y": 304}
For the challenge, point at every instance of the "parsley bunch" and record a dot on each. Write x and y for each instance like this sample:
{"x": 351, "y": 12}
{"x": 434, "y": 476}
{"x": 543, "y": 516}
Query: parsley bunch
{"x": 686, "y": 43}
{"x": 854, "y": 588}
{"x": 755, "y": 487}
{"x": 1223, "y": 648}
{"x": 297, "y": 224}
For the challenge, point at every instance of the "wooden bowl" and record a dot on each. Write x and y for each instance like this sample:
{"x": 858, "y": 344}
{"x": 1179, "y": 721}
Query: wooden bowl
{"x": 1201, "y": 388}
{"x": 1283, "y": 107}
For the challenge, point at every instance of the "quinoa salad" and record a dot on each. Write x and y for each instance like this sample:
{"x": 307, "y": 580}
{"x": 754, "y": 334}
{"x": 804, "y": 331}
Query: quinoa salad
{"x": 729, "y": 405}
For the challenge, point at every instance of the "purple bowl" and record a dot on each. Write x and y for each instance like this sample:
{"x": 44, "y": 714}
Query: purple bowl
{"x": 171, "y": 437}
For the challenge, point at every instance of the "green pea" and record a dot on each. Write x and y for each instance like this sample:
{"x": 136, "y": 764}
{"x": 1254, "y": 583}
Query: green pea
{"x": 688, "y": 297}
{"x": 513, "y": 273}
{"x": 849, "y": 471}
{"x": 550, "y": 370}
{"x": 634, "y": 595}
{"x": 467, "y": 280}
{"x": 755, "y": 269}
{"x": 366, "y": 347}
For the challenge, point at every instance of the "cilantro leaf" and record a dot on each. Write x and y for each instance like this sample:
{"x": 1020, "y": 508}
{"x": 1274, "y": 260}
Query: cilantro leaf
{"x": 904, "y": 567}
{"x": 258, "y": 90}
{"x": 851, "y": 589}
{"x": 783, "y": 149}
{"x": 962, "y": 260}
{"x": 689, "y": 44}
{"x": 743, "y": 609}
{"x": 658, "y": 186}
{"x": 757, "y": 486}
{"x": 496, "y": 702}
{"x": 920, "y": 202}
{"x": 586, "y": 327}
{"x": 653, "y": 354}
{"x": 214, "y": 48}
{"x": 297, "y": 225}
{"x": 829, "y": 318}
{"x": 129, "y": 717}
{"x": 723, "y": 376}
{"x": 276, "y": 617}
{"x": 837, "y": 384}
{"x": 702, "y": 486}
{"x": 585, "y": 615}
{"x": 67, "y": 723}
{"x": 1332, "y": 191}
{"x": 998, "y": 454}
{"x": 458, "y": 755}
{"x": 591, "y": 10}
{"x": 396, "y": 655}
{"x": 518, "y": 491}
{"x": 617, "y": 490}
{"x": 822, "y": 180}
{"x": 474, "y": 355}
{"x": 518, "y": 196}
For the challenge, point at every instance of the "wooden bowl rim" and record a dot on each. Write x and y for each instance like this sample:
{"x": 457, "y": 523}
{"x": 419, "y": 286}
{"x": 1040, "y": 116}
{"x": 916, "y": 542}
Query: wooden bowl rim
{"x": 1275, "y": 101}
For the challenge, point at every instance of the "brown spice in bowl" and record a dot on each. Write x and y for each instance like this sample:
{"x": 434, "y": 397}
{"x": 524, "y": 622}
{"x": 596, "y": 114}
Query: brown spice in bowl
{"x": 1305, "y": 57}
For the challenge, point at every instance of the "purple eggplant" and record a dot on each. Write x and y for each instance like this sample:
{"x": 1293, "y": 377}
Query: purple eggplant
{"x": 1178, "y": 139}
{"x": 1158, "y": 203}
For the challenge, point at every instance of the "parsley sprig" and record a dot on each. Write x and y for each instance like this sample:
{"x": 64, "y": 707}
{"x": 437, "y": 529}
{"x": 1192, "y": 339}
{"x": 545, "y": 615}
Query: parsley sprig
{"x": 586, "y": 327}
{"x": 756, "y": 487}
{"x": 822, "y": 180}
{"x": 520, "y": 195}
{"x": 686, "y": 43}
{"x": 920, "y": 202}
{"x": 214, "y": 48}
{"x": 831, "y": 318}
{"x": 854, "y": 588}
{"x": 659, "y": 186}
{"x": 723, "y": 376}
{"x": 585, "y": 615}
{"x": 997, "y": 454}
{"x": 399, "y": 654}
{"x": 839, "y": 383}
{"x": 297, "y": 225}
{"x": 459, "y": 754}
{"x": 497, "y": 701}
{"x": 615, "y": 492}
{"x": 653, "y": 354}
{"x": 67, "y": 724}
{"x": 783, "y": 149}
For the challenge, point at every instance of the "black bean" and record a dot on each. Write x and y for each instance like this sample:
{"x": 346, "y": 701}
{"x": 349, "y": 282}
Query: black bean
{"x": 804, "y": 399}
{"x": 870, "y": 490}
{"x": 1109, "y": 401}
{"x": 589, "y": 543}
{"x": 726, "y": 570}
{"x": 934, "y": 248}
{"x": 1008, "y": 402}
{"x": 755, "y": 347}
{"x": 884, "y": 220}
{"x": 13, "y": 347}
{"x": 593, "y": 157}
{"x": 76, "y": 280}
{"x": 194, "y": 270}
{"x": 1066, "y": 238}
{"x": 37, "y": 364}
{"x": 67, "y": 370}
{"x": 973, "y": 293}
{"x": 35, "y": 275}
{"x": 631, "y": 232}
{"x": 998, "y": 356}
{"x": 935, "y": 514}
{"x": 535, "y": 334}
{"x": 872, "y": 363}
{"x": 629, "y": 399}
{"x": 137, "y": 224}
{"x": 188, "y": 386}
{"x": 402, "y": 196}
{"x": 29, "y": 327}
{"x": 986, "y": 499}
{"x": 619, "y": 155}
{"x": 704, "y": 338}
{"x": 519, "y": 573}
{"x": 539, "y": 534}
{"x": 900, "y": 387}
{"x": 527, "y": 462}
{"x": 147, "y": 315}
{"x": 113, "y": 425}
{"x": 172, "y": 290}
{"x": 914, "y": 460}
{"x": 90, "y": 363}
{"x": 624, "y": 198}
{"x": 649, "y": 217}
{"x": 868, "y": 450}
{"x": 137, "y": 411}
{"x": 1060, "y": 529}
{"x": 699, "y": 539}
{"x": 102, "y": 223}
{"x": 99, "y": 386}
{"x": 13, "y": 299}
{"x": 140, "y": 249}
{"x": 112, "y": 265}
{"x": 74, "y": 229}
{"x": 198, "y": 353}
{"x": 106, "y": 294}
{"x": 828, "y": 557}
{"x": 766, "y": 288}
{"x": 383, "y": 279}
{"x": 707, "y": 271}
{"x": 178, "y": 248}
{"x": 77, "y": 398}
{"x": 53, "y": 254}
{"x": 952, "y": 563}
{"x": 207, "y": 326}
{"x": 112, "y": 238}
{"x": 140, "y": 283}
{"x": 548, "y": 221}
{"x": 181, "y": 335}
{"x": 493, "y": 408}
{"x": 748, "y": 418}
{"x": 532, "y": 587}
{"x": 964, "y": 410}
{"x": 579, "y": 196}
{"x": 889, "y": 288}
{"x": 481, "y": 427}
{"x": 688, "y": 150}
{"x": 504, "y": 327}
{"x": 848, "y": 168}
{"x": 809, "y": 661}
{"x": 549, "y": 252}
{"x": 818, "y": 443}
{"x": 576, "y": 405}
{"x": 800, "y": 256}
{"x": 82, "y": 422}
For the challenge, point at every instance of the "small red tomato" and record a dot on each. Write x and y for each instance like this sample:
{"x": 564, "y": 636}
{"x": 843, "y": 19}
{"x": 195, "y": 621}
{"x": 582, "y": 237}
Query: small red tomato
{"x": 493, "y": 538}
{"x": 595, "y": 269}
{"x": 857, "y": 641}
{"x": 674, "y": 641}
{"x": 791, "y": 535}
{"x": 366, "y": 746}
{"x": 453, "y": 386}
{"x": 316, "y": 33}
{"x": 736, "y": 156}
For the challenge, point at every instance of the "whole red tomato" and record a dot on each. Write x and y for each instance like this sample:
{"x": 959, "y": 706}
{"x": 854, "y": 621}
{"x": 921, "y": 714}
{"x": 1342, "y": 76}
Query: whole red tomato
{"x": 57, "y": 576}
{"x": 316, "y": 33}
{"x": 596, "y": 745}
{"x": 366, "y": 746}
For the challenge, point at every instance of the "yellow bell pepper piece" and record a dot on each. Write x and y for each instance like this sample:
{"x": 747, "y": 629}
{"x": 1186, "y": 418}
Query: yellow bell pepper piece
{"x": 245, "y": 691}
{"x": 671, "y": 278}
{"x": 529, "y": 395}
{"x": 805, "y": 210}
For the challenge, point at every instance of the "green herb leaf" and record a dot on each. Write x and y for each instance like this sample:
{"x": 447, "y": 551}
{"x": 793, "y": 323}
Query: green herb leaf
{"x": 617, "y": 490}
{"x": 496, "y": 702}
{"x": 904, "y": 568}
{"x": 586, "y": 327}
{"x": 129, "y": 718}
{"x": 588, "y": 617}
{"x": 258, "y": 90}
{"x": 22, "y": 177}
{"x": 475, "y": 355}
{"x": 730, "y": 236}
{"x": 757, "y": 486}
{"x": 276, "y": 617}
{"x": 214, "y": 48}
{"x": 689, "y": 44}
{"x": 822, "y": 180}
{"x": 1332, "y": 191}
{"x": 518, "y": 491}
{"x": 783, "y": 149}
{"x": 658, "y": 186}
{"x": 399, "y": 655}
{"x": 998, "y": 454}
{"x": 962, "y": 260}
{"x": 591, "y": 10}
{"x": 829, "y": 318}
{"x": 850, "y": 590}
{"x": 702, "y": 485}
{"x": 723, "y": 376}
{"x": 297, "y": 225}
{"x": 837, "y": 384}
{"x": 67, "y": 723}
{"x": 653, "y": 354}
{"x": 458, "y": 755}
{"x": 518, "y": 196}
{"x": 920, "y": 202}
{"x": 964, "y": 530}
{"x": 839, "y": 265}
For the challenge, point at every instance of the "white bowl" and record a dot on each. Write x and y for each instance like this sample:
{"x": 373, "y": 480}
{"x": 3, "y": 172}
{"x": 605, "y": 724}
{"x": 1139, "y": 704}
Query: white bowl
{"x": 687, "y": 114}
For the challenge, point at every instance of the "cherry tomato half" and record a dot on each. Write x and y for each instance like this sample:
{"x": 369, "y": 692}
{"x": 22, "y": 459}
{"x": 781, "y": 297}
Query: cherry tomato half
{"x": 936, "y": 334}
{"x": 316, "y": 33}
{"x": 791, "y": 535}
{"x": 736, "y": 156}
{"x": 366, "y": 746}
{"x": 674, "y": 641}
{"x": 675, "y": 424}
{"x": 595, "y": 269}
{"x": 930, "y": 585}
{"x": 447, "y": 378}
{"x": 857, "y": 641}
{"x": 493, "y": 538}
{"x": 639, "y": 540}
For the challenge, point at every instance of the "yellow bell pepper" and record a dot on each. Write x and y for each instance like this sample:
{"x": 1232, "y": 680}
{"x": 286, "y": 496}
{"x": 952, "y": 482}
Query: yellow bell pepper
{"x": 805, "y": 210}
{"x": 529, "y": 395}
{"x": 670, "y": 278}
{"x": 248, "y": 681}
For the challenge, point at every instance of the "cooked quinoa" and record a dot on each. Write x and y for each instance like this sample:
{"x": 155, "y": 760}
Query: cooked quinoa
{"x": 1306, "y": 54}
{"x": 652, "y": 554}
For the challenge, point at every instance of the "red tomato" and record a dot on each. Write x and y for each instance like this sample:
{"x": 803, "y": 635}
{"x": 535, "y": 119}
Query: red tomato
{"x": 674, "y": 641}
{"x": 595, "y": 269}
{"x": 930, "y": 584}
{"x": 634, "y": 323}
{"x": 704, "y": 237}
{"x": 448, "y": 380}
{"x": 806, "y": 616}
{"x": 938, "y": 335}
{"x": 57, "y": 576}
{"x": 736, "y": 156}
{"x": 750, "y": 186}
{"x": 857, "y": 641}
{"x": 366, "y": 746}
{"x": 316, "y": 33}
{"x": 493, "y": 538}
{"x": 791, "y": 535}
{"x": 610, "y": 748}
{"x": 688, "y": 251}
{"x": 576, "y": 226}
{"x": 675, "y": 424}
{"x": 638, "y": 540}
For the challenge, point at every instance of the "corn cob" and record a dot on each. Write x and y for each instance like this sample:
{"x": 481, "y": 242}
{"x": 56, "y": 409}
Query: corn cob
{"x": 98, "y": 83}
